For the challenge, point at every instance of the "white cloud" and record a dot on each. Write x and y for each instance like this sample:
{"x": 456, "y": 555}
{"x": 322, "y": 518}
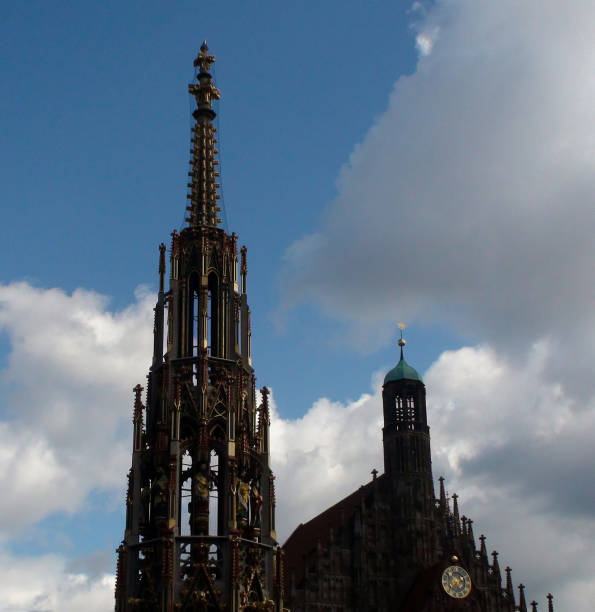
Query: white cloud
{"x": 323, "y": 456}
{"x": 512, "y": 442}
{"x": 470, "y": 202}
{"x": 43, "y": 584}
{"x": 67, "y": 397}
{"x": 424, "y": 41}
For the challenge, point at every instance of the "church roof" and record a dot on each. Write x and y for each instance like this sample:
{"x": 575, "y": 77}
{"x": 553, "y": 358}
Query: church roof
{"x": 402, "y": 371}
{"x": 306, "y": 537}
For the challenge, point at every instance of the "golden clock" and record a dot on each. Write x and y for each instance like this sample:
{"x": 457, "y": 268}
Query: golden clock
{"x": 456, "y": 582}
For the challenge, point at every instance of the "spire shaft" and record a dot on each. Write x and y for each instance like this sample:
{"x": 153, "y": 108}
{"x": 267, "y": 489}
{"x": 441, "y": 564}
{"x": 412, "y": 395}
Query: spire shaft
{"x": 203, "y": 186}
{"x": 442, "y": 494}
{"x": 509, "y": 587}
{"x": 522, "y": 600}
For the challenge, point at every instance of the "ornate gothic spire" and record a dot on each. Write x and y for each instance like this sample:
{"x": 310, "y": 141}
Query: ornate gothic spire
{"x": 483, "y": 549}
{"x": 442, "y": 494}
{"x": 455, "y": 515}
{"x": 203, "y": 186}
{"x": 470, "y": 533}
{"x": 522, "y": 601}
{"x": 496, "y": 567}
{"x": 509, "y": 589}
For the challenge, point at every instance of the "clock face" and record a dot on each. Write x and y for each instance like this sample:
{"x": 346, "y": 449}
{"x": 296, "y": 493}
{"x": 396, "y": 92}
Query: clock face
{"x": 456, "y": 582}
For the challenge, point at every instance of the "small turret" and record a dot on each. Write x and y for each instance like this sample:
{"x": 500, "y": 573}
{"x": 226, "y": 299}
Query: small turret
{"x": 482, "y": 549}
{"x": 496, "y": 568}
{"x": 509, "y": 587}
{"x": 442, "y": 495}
{"x": 158, "y": 321}
{"x": 470, "y": 534}
{"x": 455, "y": 515}
{"x": 522, "y": 602}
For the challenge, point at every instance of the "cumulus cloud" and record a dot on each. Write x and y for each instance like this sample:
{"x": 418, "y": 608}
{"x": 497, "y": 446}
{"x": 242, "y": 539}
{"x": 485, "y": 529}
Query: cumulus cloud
{"x": 470, "y": 202}
{"x": 66, "y": 397}
{"x": 513, "y": 443}
{"x": 517, "y": 447}
{"x": 322, "y": 456}
{"x": 424, "y": 41}
{"x": 44, "y": 584}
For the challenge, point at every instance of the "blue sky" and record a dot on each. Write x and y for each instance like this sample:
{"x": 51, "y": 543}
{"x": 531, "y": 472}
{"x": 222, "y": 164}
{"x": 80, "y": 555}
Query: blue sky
{"x": 426, "y": 162}
{"x": 99, "y": 132}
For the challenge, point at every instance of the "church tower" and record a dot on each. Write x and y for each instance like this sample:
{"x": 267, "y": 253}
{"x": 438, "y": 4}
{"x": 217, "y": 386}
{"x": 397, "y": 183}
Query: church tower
{"x": 408, "y": 461}
{"x": 200, "y": 507}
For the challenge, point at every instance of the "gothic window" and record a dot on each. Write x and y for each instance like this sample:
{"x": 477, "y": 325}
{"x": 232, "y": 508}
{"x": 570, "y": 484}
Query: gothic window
{"x": 405, "y": 412}
{"x": 410, "y": 413}
{"x": 240, "y": 330}
{"x": 213, "y": 493}
{"x": 193, "y": 322}
{"x": 399, "y": 408}
{"x": 231, "y": 426}
{"x": 195, "y": 319}
{"x": 213, "y": 315}
{"x": 217, "y": 432}
{"x": 185, "y": 494}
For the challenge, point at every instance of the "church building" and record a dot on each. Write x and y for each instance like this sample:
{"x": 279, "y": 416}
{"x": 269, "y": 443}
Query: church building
{"x": 200, "y": 504}
{"x": 393, "y": 545}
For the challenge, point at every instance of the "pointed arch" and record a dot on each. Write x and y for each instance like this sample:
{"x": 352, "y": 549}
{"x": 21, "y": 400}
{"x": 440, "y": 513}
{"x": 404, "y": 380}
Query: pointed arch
{"x": 193, "y": 322}
{"x": 213, "y": 314}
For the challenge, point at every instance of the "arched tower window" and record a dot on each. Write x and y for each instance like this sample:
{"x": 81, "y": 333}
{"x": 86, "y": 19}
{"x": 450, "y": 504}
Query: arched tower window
{"x": 410, "y": 410}
{"x": 193, "y": 334}
{"x": 186, "y": 495}
{"x": 213, "y": 315}
{"x": 405, "y": 412}
{"x": 400, "y": 413}
{"x": 214, "y": 494}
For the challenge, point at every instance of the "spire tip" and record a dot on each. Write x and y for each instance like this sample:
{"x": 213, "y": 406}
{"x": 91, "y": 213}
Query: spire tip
{"x": 401, "y": 341}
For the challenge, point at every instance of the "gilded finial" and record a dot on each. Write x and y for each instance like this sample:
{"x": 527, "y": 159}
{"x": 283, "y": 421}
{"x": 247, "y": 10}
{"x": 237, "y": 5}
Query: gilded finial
{"x": 401, "y": 341}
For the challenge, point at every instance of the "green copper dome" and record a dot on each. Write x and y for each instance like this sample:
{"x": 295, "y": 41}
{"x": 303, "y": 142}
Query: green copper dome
{"x": 402, "y": 370}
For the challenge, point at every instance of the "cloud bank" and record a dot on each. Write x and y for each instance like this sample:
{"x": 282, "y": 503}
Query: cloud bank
{"x": 67, "y": 395}
{"x": 515, "y": 446}
{"x": 44, "y": 584}
{"x": 66, "y": 406}
{"x": 471, "y": 201}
